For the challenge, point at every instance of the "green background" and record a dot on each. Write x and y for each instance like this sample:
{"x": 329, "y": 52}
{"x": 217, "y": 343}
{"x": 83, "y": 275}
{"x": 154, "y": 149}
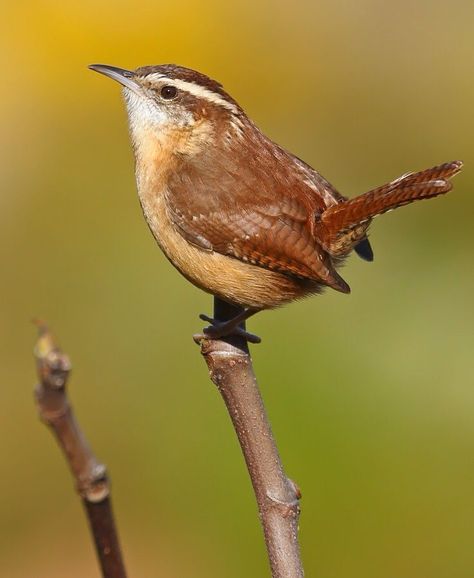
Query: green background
{"x": 370, "y": 395}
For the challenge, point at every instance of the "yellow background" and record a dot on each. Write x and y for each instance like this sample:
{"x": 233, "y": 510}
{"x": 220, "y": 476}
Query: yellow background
{"x": 371, "y": 396}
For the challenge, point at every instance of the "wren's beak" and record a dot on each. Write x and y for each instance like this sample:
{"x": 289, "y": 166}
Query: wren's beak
{"x": 124, "y": 77}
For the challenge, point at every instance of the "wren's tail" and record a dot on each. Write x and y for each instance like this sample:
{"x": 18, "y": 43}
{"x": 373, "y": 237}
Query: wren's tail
{"x": 344, "y": 226}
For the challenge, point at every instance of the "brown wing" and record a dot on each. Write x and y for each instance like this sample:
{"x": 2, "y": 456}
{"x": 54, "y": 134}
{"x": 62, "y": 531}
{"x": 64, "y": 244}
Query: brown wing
{"x": 257, "y": 217}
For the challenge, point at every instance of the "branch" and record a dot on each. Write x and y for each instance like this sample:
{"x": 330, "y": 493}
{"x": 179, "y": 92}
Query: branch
{"x": 230, "y": 368}
{"x": 90, "y": 475}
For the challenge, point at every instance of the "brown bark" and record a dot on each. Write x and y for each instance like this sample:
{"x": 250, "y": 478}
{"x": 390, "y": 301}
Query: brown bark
{"x": 230, "y": 368}
{"x": 90, "y": 475}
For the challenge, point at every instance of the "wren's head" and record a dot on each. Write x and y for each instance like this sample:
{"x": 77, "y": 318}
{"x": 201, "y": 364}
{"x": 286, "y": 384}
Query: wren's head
{"x": 174, "y": 105}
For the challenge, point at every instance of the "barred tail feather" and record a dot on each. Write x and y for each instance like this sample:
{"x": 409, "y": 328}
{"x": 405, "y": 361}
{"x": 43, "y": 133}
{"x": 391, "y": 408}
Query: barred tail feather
{"x": 345, "y": 224}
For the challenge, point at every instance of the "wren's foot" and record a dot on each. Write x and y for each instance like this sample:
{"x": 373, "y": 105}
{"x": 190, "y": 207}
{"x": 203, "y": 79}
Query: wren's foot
{"x": 219, "y": 329}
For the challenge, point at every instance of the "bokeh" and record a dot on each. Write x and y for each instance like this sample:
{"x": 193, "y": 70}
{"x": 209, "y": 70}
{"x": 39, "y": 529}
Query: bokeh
{"x": 371, "y": 396}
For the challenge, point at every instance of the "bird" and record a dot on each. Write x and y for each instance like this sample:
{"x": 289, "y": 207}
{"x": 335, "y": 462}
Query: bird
{"x": 238, "y": 215}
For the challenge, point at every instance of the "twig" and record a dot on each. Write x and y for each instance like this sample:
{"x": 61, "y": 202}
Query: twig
{"x": 90, "y": 475}
{"x": 230, "y": 368}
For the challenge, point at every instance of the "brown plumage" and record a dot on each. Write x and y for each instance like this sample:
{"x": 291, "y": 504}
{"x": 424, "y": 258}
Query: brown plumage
{"x": 341, "y": 221}
{"x": 238, "y": 215}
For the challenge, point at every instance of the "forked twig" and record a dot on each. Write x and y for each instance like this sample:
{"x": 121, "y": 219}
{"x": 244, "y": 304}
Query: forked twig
{"x": 90, "y": 475}
{"x": 230, "y": 368}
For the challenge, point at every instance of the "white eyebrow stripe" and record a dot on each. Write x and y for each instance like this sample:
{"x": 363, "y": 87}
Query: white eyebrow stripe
{"x": 196, "y": 90}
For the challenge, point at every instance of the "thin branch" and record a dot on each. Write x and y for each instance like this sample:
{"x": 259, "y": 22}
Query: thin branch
{"x": 230, "y": 368}
{"x": 90, "y": 475}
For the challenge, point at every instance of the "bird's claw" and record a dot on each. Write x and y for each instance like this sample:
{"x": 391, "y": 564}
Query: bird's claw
{"x": 218, "y": 329}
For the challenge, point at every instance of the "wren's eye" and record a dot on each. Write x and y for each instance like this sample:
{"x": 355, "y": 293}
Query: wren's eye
{"x": 169, "y": 92}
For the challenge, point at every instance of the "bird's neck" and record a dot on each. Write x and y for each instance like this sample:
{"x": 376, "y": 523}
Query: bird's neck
{"x": 160, "y": 153}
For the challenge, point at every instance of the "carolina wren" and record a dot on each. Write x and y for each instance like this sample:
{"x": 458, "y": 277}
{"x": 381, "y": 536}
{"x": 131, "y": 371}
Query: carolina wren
{"x": 236, "y": 214}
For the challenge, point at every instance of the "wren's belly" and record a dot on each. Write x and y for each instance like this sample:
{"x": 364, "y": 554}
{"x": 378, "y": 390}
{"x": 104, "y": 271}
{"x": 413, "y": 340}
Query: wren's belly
{"x": 228, "y": 278}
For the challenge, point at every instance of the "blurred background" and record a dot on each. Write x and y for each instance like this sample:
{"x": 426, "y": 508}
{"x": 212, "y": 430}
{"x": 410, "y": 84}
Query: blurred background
{"x": 370, "y": 396}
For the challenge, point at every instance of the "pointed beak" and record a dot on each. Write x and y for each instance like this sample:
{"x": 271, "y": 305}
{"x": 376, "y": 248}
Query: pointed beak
{"x": 124, "y": 77}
